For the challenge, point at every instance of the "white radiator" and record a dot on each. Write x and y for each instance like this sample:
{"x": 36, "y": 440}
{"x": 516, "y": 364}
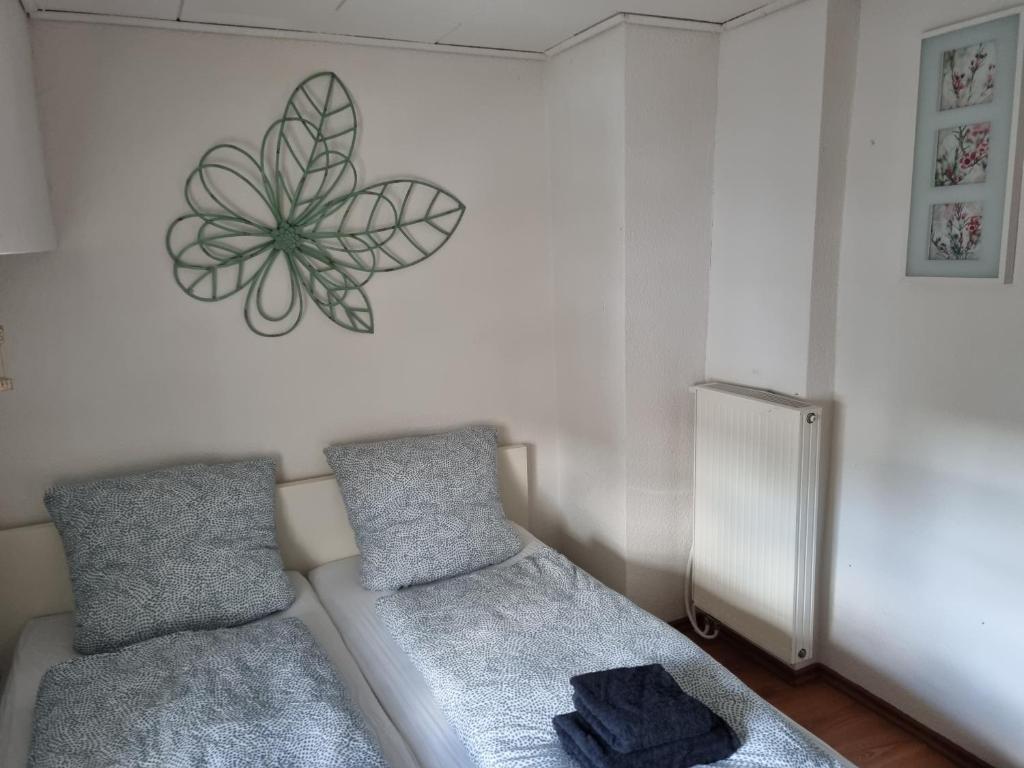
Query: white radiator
{"x": 756, "y": 516}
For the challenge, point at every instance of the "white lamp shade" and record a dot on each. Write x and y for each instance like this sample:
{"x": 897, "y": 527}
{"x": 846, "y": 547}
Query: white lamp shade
{"x": 26, "y": 223}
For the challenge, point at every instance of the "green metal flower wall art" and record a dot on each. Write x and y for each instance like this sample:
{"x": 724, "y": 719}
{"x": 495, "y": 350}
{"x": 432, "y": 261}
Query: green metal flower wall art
{"x": 287, "y": 225}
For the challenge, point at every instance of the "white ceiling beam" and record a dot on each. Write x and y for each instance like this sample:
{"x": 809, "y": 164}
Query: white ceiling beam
{"x": 759, "y": 13}
{"x": 581, "y": 37}
{"x": 668, "y": 22}
{"x": 284, "y": 34}
{"x": 31, "y": 7}
{"x": 639, "y": 19}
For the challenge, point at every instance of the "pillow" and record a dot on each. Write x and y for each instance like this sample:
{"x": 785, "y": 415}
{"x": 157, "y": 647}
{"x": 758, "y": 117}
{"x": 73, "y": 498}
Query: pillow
{"x": 190, "y": 547}
{"x": 424, "y": 508}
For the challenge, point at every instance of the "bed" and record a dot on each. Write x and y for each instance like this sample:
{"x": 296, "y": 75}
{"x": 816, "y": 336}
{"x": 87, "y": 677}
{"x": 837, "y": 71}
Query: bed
{"x": 46, "y": 641}
{"x": 37, "y": 626}
{"x": 419, "y": 708}
{"x": 411, "y": 715}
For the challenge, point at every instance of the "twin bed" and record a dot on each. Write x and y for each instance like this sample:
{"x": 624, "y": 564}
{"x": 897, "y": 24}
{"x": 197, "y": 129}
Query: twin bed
{"x": 47, "y": 641}
{"x": 459, "y": 672}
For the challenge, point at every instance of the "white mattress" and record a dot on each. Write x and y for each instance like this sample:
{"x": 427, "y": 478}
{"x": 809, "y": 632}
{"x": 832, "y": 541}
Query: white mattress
{"x": 400, "y": 687}
{"x": 48, "y": 640}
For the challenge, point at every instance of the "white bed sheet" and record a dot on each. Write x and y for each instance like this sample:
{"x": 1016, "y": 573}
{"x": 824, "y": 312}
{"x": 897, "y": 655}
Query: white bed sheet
{"x": 47, "y": 641}
{"x": 399, "y": 686}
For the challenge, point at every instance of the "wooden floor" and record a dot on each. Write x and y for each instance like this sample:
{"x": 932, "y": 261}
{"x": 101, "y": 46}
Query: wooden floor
{"x": 862, "y": 736}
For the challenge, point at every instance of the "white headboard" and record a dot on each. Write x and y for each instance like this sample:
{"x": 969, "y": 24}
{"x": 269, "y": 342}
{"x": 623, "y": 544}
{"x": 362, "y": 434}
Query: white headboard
{"x": 312, "y": 529}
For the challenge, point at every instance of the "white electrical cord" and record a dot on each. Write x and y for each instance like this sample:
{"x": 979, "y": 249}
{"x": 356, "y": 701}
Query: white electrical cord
{"x": 710, "y": 630}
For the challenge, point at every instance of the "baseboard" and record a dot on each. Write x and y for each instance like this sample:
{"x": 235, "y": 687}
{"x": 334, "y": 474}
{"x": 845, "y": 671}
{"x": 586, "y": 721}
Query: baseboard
{"x": 944, "y": 746}
{"x": 818, "y": 671}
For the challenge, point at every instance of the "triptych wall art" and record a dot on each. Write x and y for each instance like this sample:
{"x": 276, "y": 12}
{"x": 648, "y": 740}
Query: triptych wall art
{"x": 964, "y": 206}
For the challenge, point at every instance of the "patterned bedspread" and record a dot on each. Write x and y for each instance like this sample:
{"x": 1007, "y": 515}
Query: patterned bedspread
{"x": 498, "y": 647}
{"x": 263, "y": 694}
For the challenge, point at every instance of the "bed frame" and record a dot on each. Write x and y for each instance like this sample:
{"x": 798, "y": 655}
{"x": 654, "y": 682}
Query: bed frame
{"x": 312, "y": 529}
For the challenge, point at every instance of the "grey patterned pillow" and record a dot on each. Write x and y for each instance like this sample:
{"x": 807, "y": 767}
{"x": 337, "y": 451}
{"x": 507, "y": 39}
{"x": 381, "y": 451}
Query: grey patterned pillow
{"x": 190, "y": 547}
{"x": 424, "y": 508}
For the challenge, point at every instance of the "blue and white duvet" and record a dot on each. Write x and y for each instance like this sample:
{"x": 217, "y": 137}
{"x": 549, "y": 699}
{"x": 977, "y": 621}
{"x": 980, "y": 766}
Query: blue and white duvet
{"x": 497, "y": 648}
{"x": 263, "y": 694}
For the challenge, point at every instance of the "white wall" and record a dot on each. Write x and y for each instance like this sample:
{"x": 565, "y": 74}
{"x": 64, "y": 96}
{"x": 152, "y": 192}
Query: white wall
{"x": 770, "y": 90}
{"x": 927, "y": 573}
{"x": 838, "y": 75}
{"x": 630, "y": 246}
{"x": 670, "y": 123}
{"x": 601, "y": 292}
{"x": 922, "y": 575}
{"x": 116, "y": 368}
{"x": 585, "y": 97}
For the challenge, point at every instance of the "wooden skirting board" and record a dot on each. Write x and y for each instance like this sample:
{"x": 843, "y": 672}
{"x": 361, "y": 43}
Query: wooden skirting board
{"x": 818, "y": 671}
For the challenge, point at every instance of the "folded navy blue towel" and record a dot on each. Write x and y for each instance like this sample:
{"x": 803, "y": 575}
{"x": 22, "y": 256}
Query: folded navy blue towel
{"x": 586, "y": 747}
{"x": 635, "y": 708}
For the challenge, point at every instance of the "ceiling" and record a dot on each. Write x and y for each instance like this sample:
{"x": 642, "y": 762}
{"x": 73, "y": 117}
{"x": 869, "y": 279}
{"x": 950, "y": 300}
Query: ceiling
{"x": 515, "y": 25}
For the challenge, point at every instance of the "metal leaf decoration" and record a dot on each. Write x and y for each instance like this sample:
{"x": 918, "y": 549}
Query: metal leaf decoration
{"x": 289, "y": 226}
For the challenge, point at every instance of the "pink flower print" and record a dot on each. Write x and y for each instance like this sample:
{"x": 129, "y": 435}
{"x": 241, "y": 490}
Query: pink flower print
{"x": 968, "y": 75}
{"x": 962, "y": 155}
{"x": 956, "y": 231}
{"x": 958, "y": 82}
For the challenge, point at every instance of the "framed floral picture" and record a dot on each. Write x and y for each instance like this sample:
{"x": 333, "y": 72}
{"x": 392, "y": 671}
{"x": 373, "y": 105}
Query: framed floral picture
{"x": 966, "y": 184}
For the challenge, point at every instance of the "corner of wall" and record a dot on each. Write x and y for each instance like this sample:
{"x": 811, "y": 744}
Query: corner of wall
{"x": 765, "y": 193}
{"x": 669, "y": 128}
{"x": 629, "y": 185}
{"x": 842, "y": 31}
{"x": 839, "y": 77}
{"x": 584, "y": 103}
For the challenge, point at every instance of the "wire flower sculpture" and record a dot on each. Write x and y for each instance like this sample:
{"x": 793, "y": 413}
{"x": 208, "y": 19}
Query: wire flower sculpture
{"x": 288, "y": 226}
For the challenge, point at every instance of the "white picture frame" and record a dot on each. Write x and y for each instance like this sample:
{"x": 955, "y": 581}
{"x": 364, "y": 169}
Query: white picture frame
{"x": 947, "y": 238}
